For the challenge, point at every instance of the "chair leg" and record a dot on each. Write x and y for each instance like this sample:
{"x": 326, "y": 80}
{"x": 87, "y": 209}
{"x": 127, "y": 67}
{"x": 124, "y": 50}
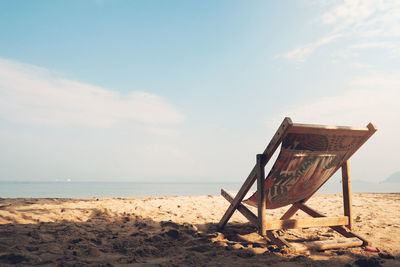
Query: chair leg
{"x": 261, "y": 205}
{"x": 346, "y": 183}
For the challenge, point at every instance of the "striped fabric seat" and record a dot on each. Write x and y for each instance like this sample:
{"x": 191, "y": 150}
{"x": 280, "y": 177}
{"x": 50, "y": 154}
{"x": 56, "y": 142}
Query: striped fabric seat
{"x": 304, "y": 164}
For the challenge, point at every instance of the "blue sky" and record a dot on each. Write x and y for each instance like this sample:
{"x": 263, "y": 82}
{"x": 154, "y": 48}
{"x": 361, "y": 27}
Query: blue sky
{"x": 189, "y": 90}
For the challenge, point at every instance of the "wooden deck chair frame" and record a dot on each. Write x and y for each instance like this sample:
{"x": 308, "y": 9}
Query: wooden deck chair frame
{"x": 268, "y": 228}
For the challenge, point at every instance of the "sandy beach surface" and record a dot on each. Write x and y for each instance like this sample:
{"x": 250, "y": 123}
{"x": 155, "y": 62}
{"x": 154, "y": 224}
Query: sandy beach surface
{"x": 181, "y": 231}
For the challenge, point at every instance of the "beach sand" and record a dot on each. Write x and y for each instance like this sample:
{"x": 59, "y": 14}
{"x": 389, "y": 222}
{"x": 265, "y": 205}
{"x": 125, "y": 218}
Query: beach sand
{"x": 181, "y": 231}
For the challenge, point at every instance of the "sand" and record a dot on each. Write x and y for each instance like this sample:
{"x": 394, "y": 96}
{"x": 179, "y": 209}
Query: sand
{"x": 181, "y": 231}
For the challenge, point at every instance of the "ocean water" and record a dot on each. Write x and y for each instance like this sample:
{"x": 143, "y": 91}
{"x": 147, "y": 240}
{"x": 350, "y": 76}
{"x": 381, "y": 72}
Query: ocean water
{"x": 134, "y": 189}
{"x": 108, "y": 189}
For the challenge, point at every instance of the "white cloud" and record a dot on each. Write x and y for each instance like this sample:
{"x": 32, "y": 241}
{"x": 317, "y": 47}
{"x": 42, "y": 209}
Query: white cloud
{"x": 350, "y": 13}
{"x": 358, "y": 21}
{"x": 162, "y": 131}
{"x": 393, "y": 46}
{"x": 358, "y": 65}
{"x": 371, "y": 97}
{"x": 96, "y": 133}
{"x": 30, "y": 94}
{"x": 300, "y": 53}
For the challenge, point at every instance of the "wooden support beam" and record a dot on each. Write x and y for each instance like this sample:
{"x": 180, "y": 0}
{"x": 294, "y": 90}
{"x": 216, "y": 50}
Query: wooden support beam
{"x": 299, "y": 128}
{"x": 290, "y": 212}
{"x": 305, "y": 223}
{"x": 238, "y": 199}
{"x": 327, "y": 244}
{"x": 277, "y": 240}
{"x": 309, "y": 211}
{"x": 241, "y": 208}
{"x": 276, "y": 140}
{"x": 346, "y": 184}
{"x": 268, "y": 152}
{"x": 261, "y": 199}
{"x": 341, "y": 230}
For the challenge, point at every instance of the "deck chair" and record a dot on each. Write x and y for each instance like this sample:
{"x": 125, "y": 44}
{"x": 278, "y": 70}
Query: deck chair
{"x": 309, "y": 156}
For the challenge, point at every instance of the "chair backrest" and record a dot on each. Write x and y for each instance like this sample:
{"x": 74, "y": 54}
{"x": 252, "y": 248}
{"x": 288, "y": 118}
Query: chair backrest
{"x": 309, "y": 156}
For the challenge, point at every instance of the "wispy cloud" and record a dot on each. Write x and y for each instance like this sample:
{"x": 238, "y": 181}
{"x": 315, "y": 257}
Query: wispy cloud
{"x": 360, "y": 22}
{"x": 350, "y": 13}
{"x": 300, "y": 53}
{"x": 30, "y": 94}
{"x": 392, "y": 46}
{"x": 374, "y": 98}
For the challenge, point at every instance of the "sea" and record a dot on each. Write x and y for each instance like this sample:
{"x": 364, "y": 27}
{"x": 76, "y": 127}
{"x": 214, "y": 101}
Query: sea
{"x": 70, "y": 189}
{"x": 10, "y": 189}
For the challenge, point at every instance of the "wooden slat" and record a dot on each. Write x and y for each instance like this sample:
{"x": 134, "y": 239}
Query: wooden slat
{"x": 341, "y": 230}
{"x": 327, "y": 244}
{"x": 276, "y": 140}
{"x": 306, "y": 222}
{"x": 261, "y": 205}
{"x": 326, "y": 129}
{"x": 268, "y": 152}
{"x": 241, "y": 208}
{"x": 346, "y": 184}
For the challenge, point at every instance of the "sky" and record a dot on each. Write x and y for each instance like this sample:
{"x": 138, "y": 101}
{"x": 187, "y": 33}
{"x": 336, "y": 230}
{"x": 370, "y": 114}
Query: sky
{"x": 190, "y": 91}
